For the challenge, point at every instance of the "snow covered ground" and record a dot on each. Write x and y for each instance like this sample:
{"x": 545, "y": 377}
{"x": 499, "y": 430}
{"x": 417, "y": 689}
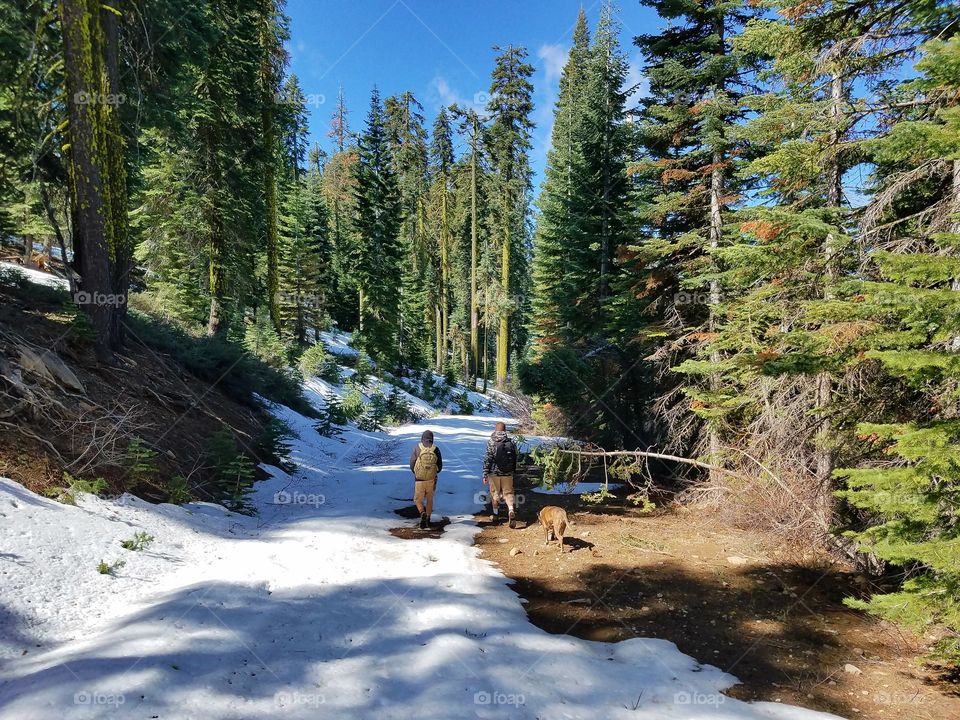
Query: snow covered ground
{"x": 37, "y": 277}
{"x": 310, "y": 609}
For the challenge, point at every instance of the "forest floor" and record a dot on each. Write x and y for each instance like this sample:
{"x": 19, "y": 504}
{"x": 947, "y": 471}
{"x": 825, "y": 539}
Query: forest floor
{"x": 726, "y": 596}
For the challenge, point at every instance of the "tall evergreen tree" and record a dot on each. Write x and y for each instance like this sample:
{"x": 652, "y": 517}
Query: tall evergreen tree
{"x": 378, "y": 255}
{"x": 559, "y": 224}
{"x": 441, "y": 166}
{"x": 408, "y": 150}
{"x": 510, "y": 106}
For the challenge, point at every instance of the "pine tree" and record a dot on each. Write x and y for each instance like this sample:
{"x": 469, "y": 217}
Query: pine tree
{"x": 441, "y": 167}
{"x": 909, "y": 309}
{"x": 339, "y": 191}
{"x": 377, "y": 259}
{"x": 408, "y": 150}
{"x": 559, "y": 224}
{"x": 97, "y": 171}
{"x": 508, "y": 142}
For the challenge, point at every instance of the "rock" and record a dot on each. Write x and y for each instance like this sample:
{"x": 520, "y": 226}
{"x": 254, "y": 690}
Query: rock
{"x": 514, "y": 551}
{"x": 859, "y": 651}
{"x": 737, "y": 560}
{"x": 586, "y": 534}
{"x": 64, "y": 375}
{"x": 32, "y": 363}
{"x": 852, "y": 669}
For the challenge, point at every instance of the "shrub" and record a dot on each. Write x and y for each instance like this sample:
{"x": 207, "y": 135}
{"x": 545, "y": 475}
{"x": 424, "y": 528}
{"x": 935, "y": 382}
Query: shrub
{"x": 232, "y": 470}
{"x": 312, "y": 360}
{"x": 273, "y": 444}
{"x": 220, "y": 360}
{"x": 141, "y": 460}
{"x": 261, "y": 340}
{"x": 353, "y": 404}
{"x": 363, "y": 369}
{"x": 331, "y": 416}
{"x": 462, "y": 404}
{"x": 105, "y": 569}
{"x": 178, "y": 490}
{"x": 139, "y": 541}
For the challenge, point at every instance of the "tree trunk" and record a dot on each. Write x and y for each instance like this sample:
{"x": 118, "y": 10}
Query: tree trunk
{"x": 503, "y": 333}
{"x": 824, "y": 455}
{"x": 716, "y": 232}
{"x": 267, "y": 82}
{"x": 955, "y": 191}
{"x": 444, "y": 281}
{"x": 84, "y": 72}
{"x": 121, "y": 250}
{"x": 474, "y": 306}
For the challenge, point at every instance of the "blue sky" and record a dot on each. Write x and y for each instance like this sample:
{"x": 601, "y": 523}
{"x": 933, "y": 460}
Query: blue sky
{"x": 441, "y": 50}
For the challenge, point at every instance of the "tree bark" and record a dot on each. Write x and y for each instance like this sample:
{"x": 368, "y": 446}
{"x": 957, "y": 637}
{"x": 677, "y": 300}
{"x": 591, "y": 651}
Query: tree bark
{"x": 474, "y": 306}
{"x": 84, "y": 72}
{"x": 824, "y": 454}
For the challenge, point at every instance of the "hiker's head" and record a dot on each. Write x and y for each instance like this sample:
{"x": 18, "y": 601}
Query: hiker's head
{"x": 500, "y": 427}
{"x": 427, "y": 437}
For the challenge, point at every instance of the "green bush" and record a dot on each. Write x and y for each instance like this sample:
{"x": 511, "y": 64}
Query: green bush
{"x": 312, "y": 360}
{"x": 178, "y": 490}
{"x": 233, "y": 471}
{"x": 221, "y": 361}
{"x": 462, "y": 404}
{"x": 354, "y": 404}
{"x": 138, "y": 542}
{"x": 273, "y": 444}
{"x": 363, "y": 369}
{"x": 261, "y": 340}
{"x": 141, "y": 460}
{"x": 105, "y": 569}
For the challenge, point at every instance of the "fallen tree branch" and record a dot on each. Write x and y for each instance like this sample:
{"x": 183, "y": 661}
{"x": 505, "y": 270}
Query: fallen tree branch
{"x": 648, "y": 454}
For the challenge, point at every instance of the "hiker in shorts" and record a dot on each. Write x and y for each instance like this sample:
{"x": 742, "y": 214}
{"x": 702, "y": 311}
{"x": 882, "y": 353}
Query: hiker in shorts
{"x": 499, "y": 465}
{"x": 425, "y": 464}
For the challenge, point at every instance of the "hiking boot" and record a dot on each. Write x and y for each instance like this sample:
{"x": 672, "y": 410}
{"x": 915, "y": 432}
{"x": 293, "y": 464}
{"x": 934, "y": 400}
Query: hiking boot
{"x": 424, "y": 521}
{"x": 494, "y": 518}
{"x": 512, "y": 520}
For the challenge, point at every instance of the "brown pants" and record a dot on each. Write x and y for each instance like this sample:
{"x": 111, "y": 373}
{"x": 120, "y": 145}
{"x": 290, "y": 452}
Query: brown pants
{"x": 501, "y": 487}
{"x": 423, "y": 490}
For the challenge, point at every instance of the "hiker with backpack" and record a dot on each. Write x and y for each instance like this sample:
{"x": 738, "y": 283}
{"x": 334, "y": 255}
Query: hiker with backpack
{"x": 499, "y": 465}
{"x": 426, "y": 462}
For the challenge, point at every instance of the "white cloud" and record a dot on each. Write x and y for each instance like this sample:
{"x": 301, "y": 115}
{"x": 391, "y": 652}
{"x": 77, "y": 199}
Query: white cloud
{"x": 444, "y": 94}
{"x": 636, "y": 78}
{"x": 553, "y": 57}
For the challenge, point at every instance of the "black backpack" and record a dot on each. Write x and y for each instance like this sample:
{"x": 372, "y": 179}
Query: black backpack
{"x": 505, "y": 455}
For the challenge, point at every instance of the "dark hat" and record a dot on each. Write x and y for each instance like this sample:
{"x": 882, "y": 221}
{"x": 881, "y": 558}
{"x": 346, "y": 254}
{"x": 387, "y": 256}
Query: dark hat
{"x": 427, "y": 437}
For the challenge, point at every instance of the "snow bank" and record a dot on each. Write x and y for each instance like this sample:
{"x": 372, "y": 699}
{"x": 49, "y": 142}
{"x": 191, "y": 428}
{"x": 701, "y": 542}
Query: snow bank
{"x": 37, "y": 277}
{"x": 311, "y": 609}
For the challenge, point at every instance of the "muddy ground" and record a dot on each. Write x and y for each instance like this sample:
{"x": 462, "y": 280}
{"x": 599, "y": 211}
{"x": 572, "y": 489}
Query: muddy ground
{"x": 726, "y": 596}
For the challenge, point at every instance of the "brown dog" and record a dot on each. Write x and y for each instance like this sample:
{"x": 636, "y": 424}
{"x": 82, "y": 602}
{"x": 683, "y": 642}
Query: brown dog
{"x": 554, "y": 521}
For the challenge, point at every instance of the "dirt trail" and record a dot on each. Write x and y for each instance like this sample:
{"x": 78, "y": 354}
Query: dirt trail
{"x": 725, "y": 596}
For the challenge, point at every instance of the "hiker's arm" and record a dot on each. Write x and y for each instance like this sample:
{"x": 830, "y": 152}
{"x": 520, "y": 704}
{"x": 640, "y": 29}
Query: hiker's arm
{"x": 439, "y": 460}
{"x": 413, "y": 458}
{"x": 488, "y": 460}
